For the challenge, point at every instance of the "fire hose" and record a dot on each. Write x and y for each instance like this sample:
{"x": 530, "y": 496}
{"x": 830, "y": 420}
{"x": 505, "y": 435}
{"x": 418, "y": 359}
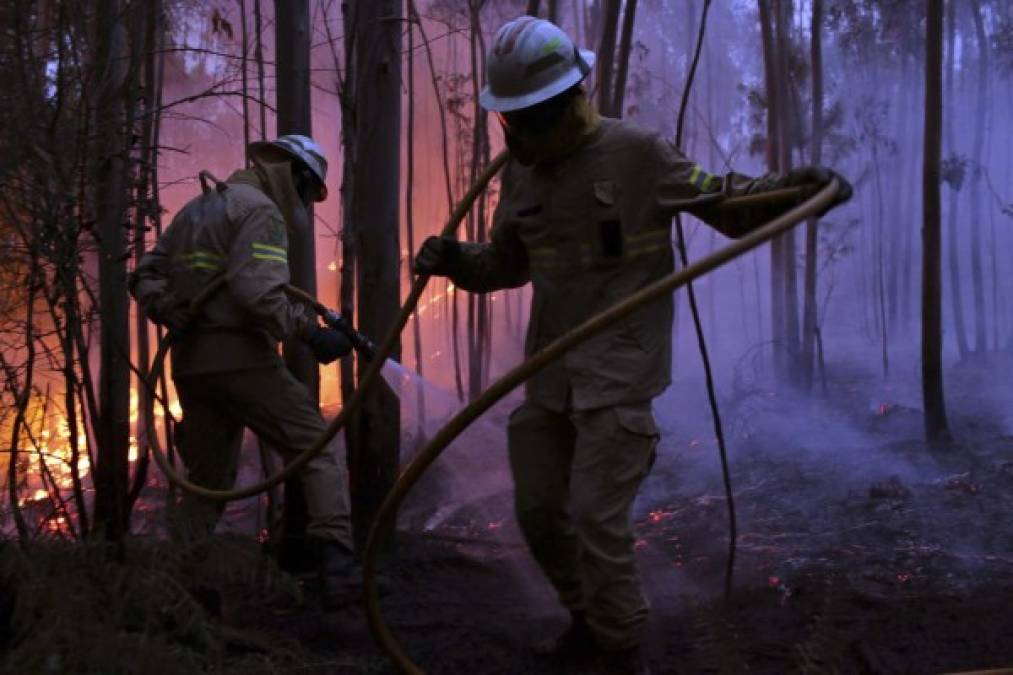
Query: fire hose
{"x": 372, "y": 374}
{"x": 385, "y": 518}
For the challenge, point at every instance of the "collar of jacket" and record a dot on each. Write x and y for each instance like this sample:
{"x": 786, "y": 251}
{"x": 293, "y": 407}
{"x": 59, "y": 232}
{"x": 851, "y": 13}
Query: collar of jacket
{"x": 274, "y": 178}
{"x": 579, "y": 123}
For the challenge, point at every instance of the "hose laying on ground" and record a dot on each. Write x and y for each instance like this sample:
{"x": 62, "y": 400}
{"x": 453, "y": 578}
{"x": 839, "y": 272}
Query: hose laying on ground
{"x": 366, "y": 382}
{"x": 385, "y": 519}
{"x": 712, "y": 398}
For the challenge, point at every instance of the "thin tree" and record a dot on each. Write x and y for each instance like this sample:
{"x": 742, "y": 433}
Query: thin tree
{"x": 954, "y": 179}
{"x": 812, "y": 226}
{"x": 111, "y": 474}
{"x": 292, "y": 48}
{"x": 375, "y": 211}
{"x": 936, "y": 427}
{"x": 977, "y": 150}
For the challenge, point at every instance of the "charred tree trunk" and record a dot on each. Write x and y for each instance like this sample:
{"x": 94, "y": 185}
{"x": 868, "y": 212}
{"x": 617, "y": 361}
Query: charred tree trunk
{"x": 292, "y": 40}
{"x": 373, "y": 461}
{"x": 111, "y": 476}
{"x": 936, "y": 428}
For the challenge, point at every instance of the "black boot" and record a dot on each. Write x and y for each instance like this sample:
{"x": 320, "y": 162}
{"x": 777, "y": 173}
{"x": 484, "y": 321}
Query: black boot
{"x": 575, "y": 645}
{"x": 340, "y": 576}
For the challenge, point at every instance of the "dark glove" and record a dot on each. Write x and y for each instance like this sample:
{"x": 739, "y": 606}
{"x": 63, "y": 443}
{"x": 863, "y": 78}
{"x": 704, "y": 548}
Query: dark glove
{"x": 328, "y": 345}
{"x": 438, "y": 256}
{"x": 174, "y": 315}
{"x": 818, "y": 177}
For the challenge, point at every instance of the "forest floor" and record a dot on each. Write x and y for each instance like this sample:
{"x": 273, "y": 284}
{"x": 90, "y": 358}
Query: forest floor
{"x": 860, "y": 550}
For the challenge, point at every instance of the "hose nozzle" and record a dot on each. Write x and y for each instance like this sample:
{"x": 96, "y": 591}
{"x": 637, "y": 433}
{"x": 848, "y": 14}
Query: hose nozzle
{"x": 360, "y": 342}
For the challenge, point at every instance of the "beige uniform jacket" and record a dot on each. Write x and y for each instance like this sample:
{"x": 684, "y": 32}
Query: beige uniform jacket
{"x": 587, "y": 231}
{"x": 238, "y": 231}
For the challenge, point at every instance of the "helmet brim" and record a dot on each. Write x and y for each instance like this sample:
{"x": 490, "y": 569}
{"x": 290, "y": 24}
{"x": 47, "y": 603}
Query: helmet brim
{"x": 269, "y": 149}
{"x": 494, "y": 103}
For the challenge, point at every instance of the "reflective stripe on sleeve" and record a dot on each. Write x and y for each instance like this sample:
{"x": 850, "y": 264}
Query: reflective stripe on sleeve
{"x": 203, "y": 259}
{"x": 270, "y": 253}
{"x": 700, "y": 178}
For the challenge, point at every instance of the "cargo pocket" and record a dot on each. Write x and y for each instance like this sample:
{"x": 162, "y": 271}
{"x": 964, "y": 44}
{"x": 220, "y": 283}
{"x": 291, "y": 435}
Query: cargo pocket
{"x": 608, "y": 241}
{"x": 637, "y": 423}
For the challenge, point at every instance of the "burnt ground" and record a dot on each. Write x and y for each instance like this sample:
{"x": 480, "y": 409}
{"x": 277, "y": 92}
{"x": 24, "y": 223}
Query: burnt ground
{"x": 861, "y": 550}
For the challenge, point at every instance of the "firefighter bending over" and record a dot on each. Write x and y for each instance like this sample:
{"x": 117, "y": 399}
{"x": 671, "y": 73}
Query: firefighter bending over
{"x": 225, "y": 361}
{"x": 585, "y": 216}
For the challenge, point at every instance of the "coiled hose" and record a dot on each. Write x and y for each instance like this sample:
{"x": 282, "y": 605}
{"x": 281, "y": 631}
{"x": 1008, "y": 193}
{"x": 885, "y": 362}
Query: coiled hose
{"x": 385, "y": 518}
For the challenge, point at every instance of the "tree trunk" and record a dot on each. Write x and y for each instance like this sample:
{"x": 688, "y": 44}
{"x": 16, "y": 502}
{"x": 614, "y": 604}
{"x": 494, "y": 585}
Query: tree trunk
{"x": 374, "y": 460}
{"x": 974, "y": 189}
{"x": 420, "y": 393}
{"x": 625, "y": 44}
{"x": 936, "y": 428}
{"x": 953, "y": 241}
{"x": 606, "y": 58}
{"x": 788, "y": 134}
{"x": 777, "y": 265}
{"x": 292, "y": 40}
{"x": 812, "y": 227}
{"x": 111, "y": 474}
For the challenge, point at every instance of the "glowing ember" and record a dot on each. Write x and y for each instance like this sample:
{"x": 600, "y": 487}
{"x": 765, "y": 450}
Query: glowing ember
{"x": 656, "y": 517}
{"x": 639, "y": 544}
{"x": 495, "y": 525}
{"x": 904, "y": 577}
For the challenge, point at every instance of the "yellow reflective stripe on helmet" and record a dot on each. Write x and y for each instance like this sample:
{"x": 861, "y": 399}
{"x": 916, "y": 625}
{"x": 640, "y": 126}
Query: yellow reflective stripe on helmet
{"x": 270, "y": 257}
{"x": 267, "y": 248}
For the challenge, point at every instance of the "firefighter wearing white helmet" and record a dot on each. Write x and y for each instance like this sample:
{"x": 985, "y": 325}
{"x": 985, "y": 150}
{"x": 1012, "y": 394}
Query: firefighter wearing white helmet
{"x": 584, "y": 215}
{"x": 225, "y": 360}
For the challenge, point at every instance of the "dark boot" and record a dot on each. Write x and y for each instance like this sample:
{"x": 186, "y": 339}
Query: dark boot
{"x": 338, "y": 573}
{"x": 575, "y": 645}
{"x": 340, "y": 576}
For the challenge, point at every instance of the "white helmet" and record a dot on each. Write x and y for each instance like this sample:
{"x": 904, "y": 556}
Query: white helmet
{"x": 302, "y": 148}
{"x": 531, "y": 61}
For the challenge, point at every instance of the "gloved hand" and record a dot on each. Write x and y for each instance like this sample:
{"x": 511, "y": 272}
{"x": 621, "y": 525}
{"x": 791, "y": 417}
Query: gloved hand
{"x": 437, "y": 256}
{"x": 174, "y": 315}
{"x": 818, "y": 177}
{"x": 328, "y": 345}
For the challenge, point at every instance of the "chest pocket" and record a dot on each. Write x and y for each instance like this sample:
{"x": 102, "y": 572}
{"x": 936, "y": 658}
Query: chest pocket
{"x": 608, "y": 243}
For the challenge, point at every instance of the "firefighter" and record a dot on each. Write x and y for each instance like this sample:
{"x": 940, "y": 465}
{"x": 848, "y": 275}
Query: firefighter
{"x": 225, "y": 362}
{"x": 585, "y": 216}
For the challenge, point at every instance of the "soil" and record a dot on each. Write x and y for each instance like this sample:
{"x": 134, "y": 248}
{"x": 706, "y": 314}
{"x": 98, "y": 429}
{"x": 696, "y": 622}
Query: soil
{"x": 860, "y": 550}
